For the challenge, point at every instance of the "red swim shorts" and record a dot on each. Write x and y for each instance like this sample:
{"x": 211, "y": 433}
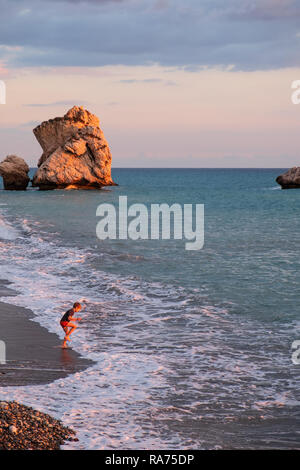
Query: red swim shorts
{"x": 64, "y": 323}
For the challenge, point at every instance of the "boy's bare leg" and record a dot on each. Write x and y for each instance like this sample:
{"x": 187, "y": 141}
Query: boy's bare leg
{"x": 64, "y": 345}
{"x": 72, "y": 328}
{"x": 67, "y": 334}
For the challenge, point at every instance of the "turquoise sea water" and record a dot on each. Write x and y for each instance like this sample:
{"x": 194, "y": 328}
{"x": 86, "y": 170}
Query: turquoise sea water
{"x": 193, "y": 348}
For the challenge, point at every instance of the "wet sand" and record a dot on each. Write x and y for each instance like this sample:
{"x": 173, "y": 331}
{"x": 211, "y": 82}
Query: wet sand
{"x": 33, "y": 355}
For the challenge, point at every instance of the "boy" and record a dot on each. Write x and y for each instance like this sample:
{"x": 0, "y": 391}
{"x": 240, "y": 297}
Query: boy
{"x": 66, "y": 322}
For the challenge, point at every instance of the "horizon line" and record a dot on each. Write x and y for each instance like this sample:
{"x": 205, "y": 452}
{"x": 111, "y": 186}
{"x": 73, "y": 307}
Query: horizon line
{"x": 196, "y": 168}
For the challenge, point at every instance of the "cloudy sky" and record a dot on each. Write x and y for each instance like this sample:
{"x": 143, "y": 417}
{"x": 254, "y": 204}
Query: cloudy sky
{"x": 197, "y": 83}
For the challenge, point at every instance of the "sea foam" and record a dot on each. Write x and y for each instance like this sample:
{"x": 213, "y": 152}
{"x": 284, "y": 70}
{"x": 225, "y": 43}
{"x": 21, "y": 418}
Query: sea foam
{"x": 7, "y": 232}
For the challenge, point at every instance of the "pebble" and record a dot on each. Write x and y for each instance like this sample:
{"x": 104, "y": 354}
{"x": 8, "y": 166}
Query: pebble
{"x": 13, "y": 429}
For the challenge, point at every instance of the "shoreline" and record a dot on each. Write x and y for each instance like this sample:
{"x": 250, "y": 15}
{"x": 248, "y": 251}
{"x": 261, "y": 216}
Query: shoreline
{"x": 33, "y": 354}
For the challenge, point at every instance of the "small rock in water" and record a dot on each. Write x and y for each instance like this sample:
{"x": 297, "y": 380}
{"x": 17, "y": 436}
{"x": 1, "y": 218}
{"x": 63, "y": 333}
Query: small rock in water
{"x": 14, "y": 171}
{"x": 290, "y": 179}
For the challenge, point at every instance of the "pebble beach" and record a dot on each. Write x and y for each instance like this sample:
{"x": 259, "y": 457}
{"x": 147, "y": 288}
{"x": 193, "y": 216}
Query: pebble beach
{"x": 23, "y": 428}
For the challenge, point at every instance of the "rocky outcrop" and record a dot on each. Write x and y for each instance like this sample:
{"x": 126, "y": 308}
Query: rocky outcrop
{"x": 14, "y": 171}
{"x": 290, "y": 179}
{"x": 75, "y": 155}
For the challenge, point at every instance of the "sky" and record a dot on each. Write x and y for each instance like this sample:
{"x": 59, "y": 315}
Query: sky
{"x": 199, "y": 83}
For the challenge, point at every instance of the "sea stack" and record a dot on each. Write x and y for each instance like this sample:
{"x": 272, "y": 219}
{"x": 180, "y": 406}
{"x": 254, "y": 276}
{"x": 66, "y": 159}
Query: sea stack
{"x": 14, "y": 171}
{"x": 75, "y": 155}
{"x": 290, "y": 179}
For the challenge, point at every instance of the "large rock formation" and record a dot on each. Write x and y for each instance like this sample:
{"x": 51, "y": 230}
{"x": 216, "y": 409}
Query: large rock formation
{"x": 290, "y": 179}
{"x": 75, "y": 152}
{"x": 14, "y": 171}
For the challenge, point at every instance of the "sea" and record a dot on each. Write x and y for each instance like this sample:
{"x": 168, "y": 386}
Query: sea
{"x": 192, "y": 349}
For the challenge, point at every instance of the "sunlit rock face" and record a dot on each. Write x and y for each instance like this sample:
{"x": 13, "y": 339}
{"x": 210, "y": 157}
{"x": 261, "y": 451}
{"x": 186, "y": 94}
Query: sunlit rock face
{"x": 290, "y": 179}
{"x": 75, "y": 155}
{"x": 14, "y": 171}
